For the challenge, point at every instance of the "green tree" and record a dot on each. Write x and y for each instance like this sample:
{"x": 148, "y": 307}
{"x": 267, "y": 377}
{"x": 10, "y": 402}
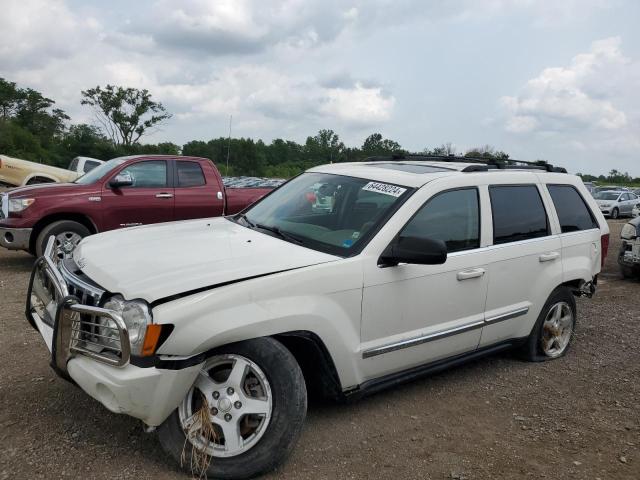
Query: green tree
{"x": 125, "y": 114}
{"x": 375, "y": 144}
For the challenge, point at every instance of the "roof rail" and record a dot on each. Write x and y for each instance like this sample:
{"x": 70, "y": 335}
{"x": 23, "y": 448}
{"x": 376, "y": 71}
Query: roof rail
{"x": 483, "y": 164}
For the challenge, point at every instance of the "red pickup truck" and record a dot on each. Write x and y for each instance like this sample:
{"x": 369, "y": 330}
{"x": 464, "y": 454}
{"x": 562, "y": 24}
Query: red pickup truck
{"x": 122, "y": 192}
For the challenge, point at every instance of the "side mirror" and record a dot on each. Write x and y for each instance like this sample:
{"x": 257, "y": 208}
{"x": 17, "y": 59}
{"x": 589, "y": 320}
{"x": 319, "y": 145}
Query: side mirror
{"x": 121, "y": 180}
{"x": 417, "y": 250}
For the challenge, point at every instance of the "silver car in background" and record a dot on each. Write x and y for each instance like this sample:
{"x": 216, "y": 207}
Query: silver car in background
{"x": 616, "y": 203}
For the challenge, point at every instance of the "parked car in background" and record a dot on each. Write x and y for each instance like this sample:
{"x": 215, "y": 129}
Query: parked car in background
{"x": 16, "y": 172}
{"x": 214, "y": 330}
{"x": 590, "y": 186}
{"x": 84, "y": 165}
{"x": 636, "y": 211}
{"x": 629, "y": 256}
{"x": 616, "y": 203}
{"x": 610, "y": 188}
{"x": 122, "y": 192}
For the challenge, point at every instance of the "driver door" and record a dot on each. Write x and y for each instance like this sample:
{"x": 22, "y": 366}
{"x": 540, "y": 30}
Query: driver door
{"x": 416, "y": 314}
{"x": 150, "y": 199}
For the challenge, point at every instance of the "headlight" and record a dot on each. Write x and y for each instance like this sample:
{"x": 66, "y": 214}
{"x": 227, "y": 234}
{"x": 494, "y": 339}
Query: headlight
{"x": 629, "y": 232}
{"x": 19, "y": 204}
{"x": 136, "y": 316}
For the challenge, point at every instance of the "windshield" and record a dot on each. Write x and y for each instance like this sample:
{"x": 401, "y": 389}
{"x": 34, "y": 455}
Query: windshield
{"x": 330, "y": 213}
{"x": 100, "y": 171}
{"x": 607, "y": 195}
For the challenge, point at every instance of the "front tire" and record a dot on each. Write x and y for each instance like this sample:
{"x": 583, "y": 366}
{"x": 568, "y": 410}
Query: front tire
{"x": 256, "y": 403}
{"x": 68, "y": 234}
{"x": 615, "y": 213}
{"x": 553, "y": 331}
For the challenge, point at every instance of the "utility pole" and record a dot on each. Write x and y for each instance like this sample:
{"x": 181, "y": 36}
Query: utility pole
{"x": 229, "y": 145}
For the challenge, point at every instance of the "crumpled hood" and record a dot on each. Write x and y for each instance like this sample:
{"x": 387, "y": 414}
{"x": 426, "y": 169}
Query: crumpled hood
{"x": 157, "y": 261}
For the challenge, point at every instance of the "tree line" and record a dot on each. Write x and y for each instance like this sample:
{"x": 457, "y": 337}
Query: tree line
{"x": 33, "y": 128}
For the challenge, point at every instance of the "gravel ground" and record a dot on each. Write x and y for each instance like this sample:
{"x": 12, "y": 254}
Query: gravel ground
{"x": 577, "y": 417}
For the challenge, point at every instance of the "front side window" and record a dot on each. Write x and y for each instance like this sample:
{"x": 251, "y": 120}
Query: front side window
{"x": 190, "y": 174}
{"x": 518, "y": 213}
{"x": 453, "y": 217}
{"x": 149, "y": 174}
{"x": 573, "y": 213}
{"x": 331, "y": 213}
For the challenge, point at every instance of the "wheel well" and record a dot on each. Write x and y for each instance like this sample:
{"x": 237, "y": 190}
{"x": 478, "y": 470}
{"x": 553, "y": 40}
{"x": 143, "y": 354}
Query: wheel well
{"x": 43, "y": 222}
{"x": 318, "y": 369}
{"x": 40, "y": 179}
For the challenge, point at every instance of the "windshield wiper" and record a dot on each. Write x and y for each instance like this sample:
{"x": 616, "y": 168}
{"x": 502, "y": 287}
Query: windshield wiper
{"x": 242, "y": 216}
{"x": 284, "y": 235}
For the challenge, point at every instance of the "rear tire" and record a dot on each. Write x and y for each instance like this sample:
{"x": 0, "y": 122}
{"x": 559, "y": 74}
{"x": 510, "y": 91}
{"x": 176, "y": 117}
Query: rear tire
{"x": 615, "y": 213}
{"x": 255, "y": 452}
{"x": 553, "y": 331}
{"x": 67, "y": 232}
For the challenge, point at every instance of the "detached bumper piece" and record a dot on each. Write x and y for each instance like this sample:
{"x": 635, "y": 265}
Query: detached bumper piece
{"x": 15, "y": 238}
{"x": 69, "y": 326}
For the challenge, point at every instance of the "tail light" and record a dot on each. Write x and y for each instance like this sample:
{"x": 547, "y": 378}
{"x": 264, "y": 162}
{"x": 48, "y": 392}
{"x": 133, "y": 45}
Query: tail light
{"x": 604, "y": 248}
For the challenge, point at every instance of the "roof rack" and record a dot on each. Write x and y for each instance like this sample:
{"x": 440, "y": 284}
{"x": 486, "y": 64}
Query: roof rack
{"x": 483, "y": 164}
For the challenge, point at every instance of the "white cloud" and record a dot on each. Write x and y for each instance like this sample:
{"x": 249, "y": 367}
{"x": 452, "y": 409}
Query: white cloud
{"x": 572, "y": 97}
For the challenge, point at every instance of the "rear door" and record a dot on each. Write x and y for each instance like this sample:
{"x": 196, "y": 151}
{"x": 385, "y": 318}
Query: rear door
{"x": 525, "y": 261}
{"x": 196, "y": 196}
{"x": 148, "y": 200}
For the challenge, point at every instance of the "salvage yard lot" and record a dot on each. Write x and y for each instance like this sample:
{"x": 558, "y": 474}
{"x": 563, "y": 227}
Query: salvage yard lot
{"x": 577, "y": 417}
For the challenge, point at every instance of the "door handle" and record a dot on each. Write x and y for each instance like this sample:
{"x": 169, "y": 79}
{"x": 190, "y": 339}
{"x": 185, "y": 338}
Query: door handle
{"x": 164, "y": 195}
{"x": 467, "y": 274}
{"x": 549, "y": 257}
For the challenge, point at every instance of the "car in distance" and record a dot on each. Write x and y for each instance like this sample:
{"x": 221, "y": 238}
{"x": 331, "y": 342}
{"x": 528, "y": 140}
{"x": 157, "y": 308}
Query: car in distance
{"x": 616, "y": 203}
{"x": 214, "y": 330}
{"x": 610, "y": 188}
{"x": 122, "y": 192}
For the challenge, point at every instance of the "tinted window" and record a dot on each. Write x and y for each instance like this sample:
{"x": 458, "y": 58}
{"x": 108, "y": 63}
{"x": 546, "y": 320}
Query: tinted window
{"x": 573, "y": 213}
{"x": 89, "y": 165}
{"x": 518, "y": 213}
{"x": 190, "y": 174}
{"x": 74, "y": 165}
{"x": 453, "y": 217}
{"x": 150, "y": 174}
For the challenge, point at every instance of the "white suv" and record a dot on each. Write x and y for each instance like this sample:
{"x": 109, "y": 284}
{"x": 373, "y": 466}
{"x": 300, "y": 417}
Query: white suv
{"x": 214, "y": 330}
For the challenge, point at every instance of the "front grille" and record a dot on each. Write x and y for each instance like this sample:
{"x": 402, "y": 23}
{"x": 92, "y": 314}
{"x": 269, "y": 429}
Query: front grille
{"x": 92, "y": 334}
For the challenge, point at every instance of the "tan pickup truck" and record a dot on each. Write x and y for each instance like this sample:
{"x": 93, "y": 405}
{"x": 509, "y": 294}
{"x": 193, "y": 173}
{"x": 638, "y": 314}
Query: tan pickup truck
{"x": 16, "y": 172}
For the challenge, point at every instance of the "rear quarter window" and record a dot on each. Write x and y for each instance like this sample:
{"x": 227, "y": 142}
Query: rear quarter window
{"x": 518, "y": 213}
{"x": 573, "y": 212}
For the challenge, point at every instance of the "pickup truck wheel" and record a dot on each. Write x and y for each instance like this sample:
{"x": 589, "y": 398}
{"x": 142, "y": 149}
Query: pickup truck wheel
{"x": 553, "y": 331}
{"x": 68, "y": 234}
{"x": 242, "y": 416}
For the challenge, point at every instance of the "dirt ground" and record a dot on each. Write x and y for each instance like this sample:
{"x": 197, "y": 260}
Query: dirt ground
{"x": 497, "y": 418}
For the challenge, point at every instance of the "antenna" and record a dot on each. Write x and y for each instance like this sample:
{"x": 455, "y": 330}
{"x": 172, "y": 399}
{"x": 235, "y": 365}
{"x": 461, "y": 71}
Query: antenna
{"x": 229, "y": 145}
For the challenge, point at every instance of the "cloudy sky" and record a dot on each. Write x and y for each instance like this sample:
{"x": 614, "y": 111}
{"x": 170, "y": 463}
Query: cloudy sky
{"x": 551, "y": 79}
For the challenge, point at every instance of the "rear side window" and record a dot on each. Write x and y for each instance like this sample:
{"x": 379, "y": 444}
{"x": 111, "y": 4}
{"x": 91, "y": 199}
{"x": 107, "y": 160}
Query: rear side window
{"x": 190, "y": 174}
{"x": 89, "y": 165}
{"x": 518, "y": 213}
{"x": 573, "y": 213}
{"x": 453, "y": 217}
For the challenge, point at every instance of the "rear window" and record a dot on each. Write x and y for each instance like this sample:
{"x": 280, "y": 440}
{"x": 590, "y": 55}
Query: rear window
{"x": 518, "y": 213}
{"x": 190, "y": 174}
{"x": 573, "y": 213}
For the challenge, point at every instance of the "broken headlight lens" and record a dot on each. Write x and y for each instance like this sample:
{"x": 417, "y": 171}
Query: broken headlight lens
{"x": 136, "y": 316}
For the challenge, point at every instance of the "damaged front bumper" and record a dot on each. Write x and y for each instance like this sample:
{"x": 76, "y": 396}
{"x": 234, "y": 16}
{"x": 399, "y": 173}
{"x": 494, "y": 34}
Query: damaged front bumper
{"x": 89, "y": 345}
